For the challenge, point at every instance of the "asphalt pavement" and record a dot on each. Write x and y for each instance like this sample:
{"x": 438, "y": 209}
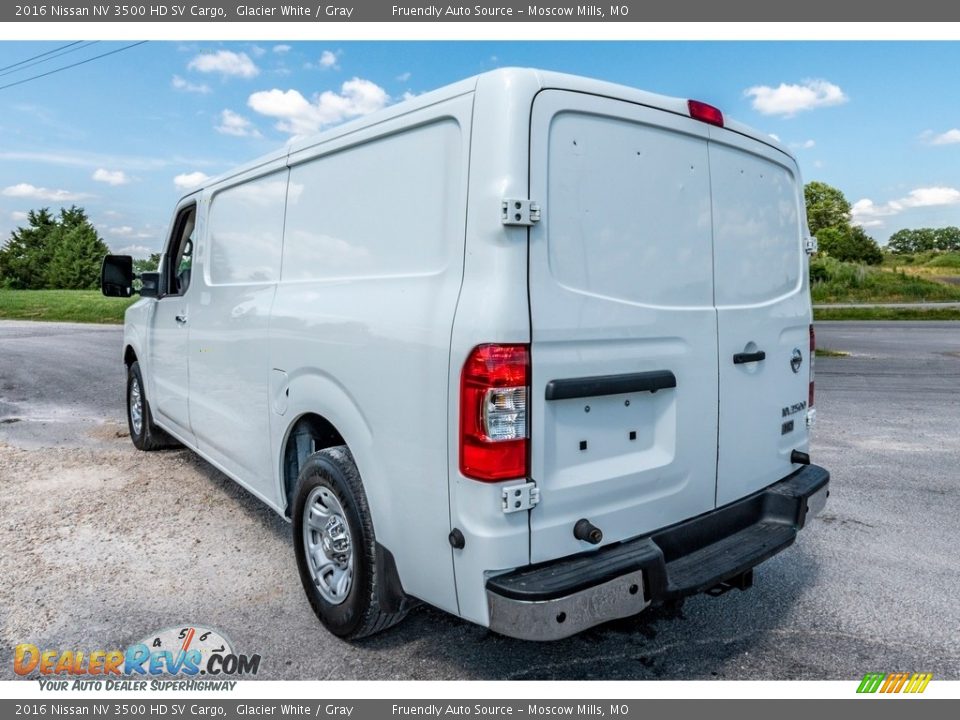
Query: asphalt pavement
{"x": 101, "y": 545}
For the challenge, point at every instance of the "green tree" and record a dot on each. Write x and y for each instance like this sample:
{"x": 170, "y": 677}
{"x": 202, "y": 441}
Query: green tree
{"x": 53, "y": 252}
{"x": 828, "y": 216}
{"x": 902, "y": 242}
{"x": 918, "y": 240}
{"x": 826, "y": 207}
{"x": 149, "y": 264}
{"x": 849, "y": 244}
{"x": 24, "y": 258}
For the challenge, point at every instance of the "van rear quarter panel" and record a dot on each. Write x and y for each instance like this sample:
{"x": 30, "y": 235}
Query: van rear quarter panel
{"x": 493, "y": 308}
{"x": 373, "y": 261}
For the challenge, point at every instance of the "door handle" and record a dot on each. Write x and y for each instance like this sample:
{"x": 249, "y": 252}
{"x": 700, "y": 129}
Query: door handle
{"x": 182, "y": 319}
{"x": 741, "y": 358}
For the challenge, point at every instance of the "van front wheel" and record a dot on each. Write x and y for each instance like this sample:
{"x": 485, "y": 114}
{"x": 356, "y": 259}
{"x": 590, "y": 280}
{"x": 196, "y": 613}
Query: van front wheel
{"x": 143, "y": 432}
{"x": 336, "y": 547}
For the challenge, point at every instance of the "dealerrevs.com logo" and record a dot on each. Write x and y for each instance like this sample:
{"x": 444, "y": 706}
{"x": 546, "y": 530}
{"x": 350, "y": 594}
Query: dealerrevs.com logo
{"x": 179, "y": 658}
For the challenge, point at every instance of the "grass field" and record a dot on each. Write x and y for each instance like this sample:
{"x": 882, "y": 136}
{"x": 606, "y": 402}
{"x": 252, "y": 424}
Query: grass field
{"x": 942, "y": 260}
{"x": 87, "y": 306}
{"x": 838, "y": 282}
{"x": 881, "y": 313}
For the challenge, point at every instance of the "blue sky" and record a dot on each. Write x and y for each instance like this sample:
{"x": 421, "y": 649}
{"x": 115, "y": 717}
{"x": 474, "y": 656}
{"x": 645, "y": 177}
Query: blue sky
{"x": 124, "y": 135}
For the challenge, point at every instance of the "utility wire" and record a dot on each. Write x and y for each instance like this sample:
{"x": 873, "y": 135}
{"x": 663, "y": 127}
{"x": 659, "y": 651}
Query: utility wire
{"x": 48, "y": 52}
{"x": 47, "y": 59}
{"x": 72, "y": 65}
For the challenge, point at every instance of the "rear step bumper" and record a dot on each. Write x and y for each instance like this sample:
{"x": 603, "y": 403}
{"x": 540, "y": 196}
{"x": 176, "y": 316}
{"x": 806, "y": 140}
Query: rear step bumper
{"x": 712, "y": 552}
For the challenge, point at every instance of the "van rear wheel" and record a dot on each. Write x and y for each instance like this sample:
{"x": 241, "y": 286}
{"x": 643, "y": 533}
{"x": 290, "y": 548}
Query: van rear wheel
{"x": 336, "y": 547}
{"x": 143, "y": 432}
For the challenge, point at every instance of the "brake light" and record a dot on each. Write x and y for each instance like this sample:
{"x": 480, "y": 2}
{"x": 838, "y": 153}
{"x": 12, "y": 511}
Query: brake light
{"x": 813, "y": 362}
{"x": 705, "y": 113}
{"x": 494, "y": 388}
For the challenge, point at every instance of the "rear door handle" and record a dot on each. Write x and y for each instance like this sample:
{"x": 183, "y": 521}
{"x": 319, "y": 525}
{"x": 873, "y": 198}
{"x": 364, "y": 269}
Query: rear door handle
{"x": 741, "y": 358}
{"x": 182, "y": 319}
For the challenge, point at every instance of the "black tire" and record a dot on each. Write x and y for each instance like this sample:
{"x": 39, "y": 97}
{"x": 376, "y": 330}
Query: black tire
{"x": 150, "y": 436}
{"x": 359, "y": 614}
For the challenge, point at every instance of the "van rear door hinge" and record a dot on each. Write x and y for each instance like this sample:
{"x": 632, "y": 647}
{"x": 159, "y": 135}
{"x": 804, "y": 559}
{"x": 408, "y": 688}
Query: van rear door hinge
{"x": 810, "y": 245}
{"x": 517, "y": 498}
{"x": 515, "y": 211}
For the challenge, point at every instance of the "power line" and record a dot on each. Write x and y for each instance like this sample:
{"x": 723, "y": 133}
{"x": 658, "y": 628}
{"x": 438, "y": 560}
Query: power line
{"x": 72, "y": 65}
{"x": 48, "y": 52}
{"x": 47, "y": 59}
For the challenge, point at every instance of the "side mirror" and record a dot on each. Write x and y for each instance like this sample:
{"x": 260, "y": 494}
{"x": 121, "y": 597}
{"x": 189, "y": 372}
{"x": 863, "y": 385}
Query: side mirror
{"x": 149, "y": 284}
{"x": 116, "y": 276}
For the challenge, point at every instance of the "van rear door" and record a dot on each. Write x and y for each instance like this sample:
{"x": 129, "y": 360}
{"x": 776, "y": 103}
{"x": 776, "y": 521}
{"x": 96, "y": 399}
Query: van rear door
{"x": 763, "y": 312}
{"x": 623, "y": 326}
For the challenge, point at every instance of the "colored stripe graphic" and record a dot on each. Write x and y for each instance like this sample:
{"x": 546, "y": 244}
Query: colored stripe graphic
{"x": 894, "y": 682}
{"x": 918, "y": 683}
{"x": 871, "y": 682}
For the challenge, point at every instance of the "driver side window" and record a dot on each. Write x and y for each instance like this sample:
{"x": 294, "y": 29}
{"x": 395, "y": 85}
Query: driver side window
{"x": 179, "y": 257}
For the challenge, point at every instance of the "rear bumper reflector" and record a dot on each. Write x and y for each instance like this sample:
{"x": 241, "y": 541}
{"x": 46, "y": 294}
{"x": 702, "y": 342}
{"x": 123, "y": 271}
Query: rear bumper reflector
{"x": 559, "y": 598}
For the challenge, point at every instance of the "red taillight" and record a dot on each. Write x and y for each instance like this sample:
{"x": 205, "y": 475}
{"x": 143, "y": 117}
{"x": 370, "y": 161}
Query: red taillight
{"x": 705, "y": 113}
{"x": 493, "y": 412}
{"x": 813, "y": 362}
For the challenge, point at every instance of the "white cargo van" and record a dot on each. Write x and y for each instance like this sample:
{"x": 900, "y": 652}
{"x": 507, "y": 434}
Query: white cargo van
{"x": 532, "y": 348}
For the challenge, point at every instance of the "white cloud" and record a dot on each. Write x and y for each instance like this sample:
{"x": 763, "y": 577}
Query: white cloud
{"x": 18, "y": 216}
{"x": 280, "y": 49}
{"x": 807, "y": 144}
{"x": 110, "y": 177}
{"x": 775, "y": 137}
{"x": 403, "y": 77}
{"x": 179, "y": 83}
{"x": 298, "y": 116}
{"x": 137, "y": 251}
{"x": 232, "y": 123}
{"x": 225, "y": 62}
{"x": 258, "y": 51}
{"x": 950, "y": 137}
{"x": 126, "y": 231}
{"x": 26, "y": 190}
{"x": 925, "y": 197}
{"x": 72, "y": 158}
{"x": 788, "y": 100}
{"x": 867, "y": 213}
{"x": 188, "y": 181}
{"x": 328, "y": 59}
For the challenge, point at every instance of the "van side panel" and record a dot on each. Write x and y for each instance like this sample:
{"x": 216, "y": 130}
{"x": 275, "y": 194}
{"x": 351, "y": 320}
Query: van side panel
{"x": 233, "y": 284}
{"x": 372, "y": 264}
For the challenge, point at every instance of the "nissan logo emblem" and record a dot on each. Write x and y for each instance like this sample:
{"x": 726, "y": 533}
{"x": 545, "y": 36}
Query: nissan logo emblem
{"x": 796, "y": 360}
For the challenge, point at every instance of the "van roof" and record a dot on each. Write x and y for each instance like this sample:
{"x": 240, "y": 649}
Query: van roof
{"x": 523, "y": 80}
